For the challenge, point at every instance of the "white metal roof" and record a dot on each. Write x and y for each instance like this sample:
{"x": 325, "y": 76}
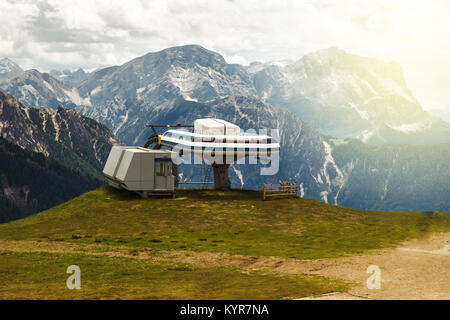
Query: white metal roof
{"x": 215, "y": 126}
{"x": 199, "y": 135}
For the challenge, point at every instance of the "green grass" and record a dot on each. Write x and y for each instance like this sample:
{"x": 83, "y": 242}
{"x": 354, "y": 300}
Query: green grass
{"x": 43, "y": 276}
{"x": 235, "y": 222}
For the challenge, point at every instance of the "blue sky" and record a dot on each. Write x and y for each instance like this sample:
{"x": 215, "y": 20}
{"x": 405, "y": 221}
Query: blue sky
{"x": 70, "y": 34}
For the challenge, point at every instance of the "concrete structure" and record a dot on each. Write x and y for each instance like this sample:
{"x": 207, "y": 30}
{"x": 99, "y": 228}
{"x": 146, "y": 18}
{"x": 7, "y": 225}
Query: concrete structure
{"x": 141, "y": 170}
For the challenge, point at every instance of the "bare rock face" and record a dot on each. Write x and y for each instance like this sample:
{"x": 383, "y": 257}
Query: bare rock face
{"x": 36, "y": 89}
{"x": 71, "y": 78}
{"x": 61, "y": 134}
{"x": 47, "y": 156}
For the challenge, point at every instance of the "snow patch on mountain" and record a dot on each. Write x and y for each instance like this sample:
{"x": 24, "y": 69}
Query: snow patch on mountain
{"x": 74, "y": 96}
{"x": 302, "y": 190}
{"x": 55, "y": 125}
{"x": 413, "y": 127}
{"x": 324, "y": 196}
{"x": 256, "y": 67}
{"x": 27, "y": 113}
{"x": 184, "y": 79}
{"x": 188, "y": 98}
{"x": 49, "y": 87}
{"x": 318, "y": 179}
{"x": 96, "y": 90}
{"x": 365, "y": 135}
{"x": 363, "y": 114}
{"x": 339, "y": 179}
{"x": 123, "y": 119}
{"x": 8, "y": 66}
{"x": 139, "y": 92}
{"x": 28, "y": 89}
{"x": 239, "y": 175}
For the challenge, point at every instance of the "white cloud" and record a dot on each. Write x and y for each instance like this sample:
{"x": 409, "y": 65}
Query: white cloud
{"x": 69, "y": 34}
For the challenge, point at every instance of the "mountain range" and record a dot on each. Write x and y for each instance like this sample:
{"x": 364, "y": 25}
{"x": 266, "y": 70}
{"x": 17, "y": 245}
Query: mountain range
{"x": 36, "y": 89}
{"x": 70, "y": 77}
{"x": 348, "y": 96}
{"x": 49, "y": 144}
{"x": 339, "y": 94}
{"x": 321, "y": 103}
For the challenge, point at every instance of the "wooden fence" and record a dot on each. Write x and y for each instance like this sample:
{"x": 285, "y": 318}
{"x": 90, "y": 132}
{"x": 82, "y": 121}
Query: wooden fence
{"x": 282, "y": 189}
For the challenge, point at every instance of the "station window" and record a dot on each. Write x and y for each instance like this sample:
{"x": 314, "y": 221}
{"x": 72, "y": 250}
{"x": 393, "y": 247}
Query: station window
{"x": 160, "y": 169}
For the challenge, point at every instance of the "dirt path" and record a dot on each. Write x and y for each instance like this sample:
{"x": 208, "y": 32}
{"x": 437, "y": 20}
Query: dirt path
{"x": 419, "y": 269}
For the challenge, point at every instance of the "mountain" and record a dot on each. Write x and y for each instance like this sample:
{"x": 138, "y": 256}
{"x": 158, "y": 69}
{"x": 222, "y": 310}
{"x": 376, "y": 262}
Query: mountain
{"x": 180, "y": 84}
{"x": 47, "y": 156}
{"x": 72, "y": 78}
{"x": 122, "y": 94}
{"x": 8, "y": 66}
{"x": 36, "y": 89}
{"x": 303, "y": 149}
{"x": 337, "y": 93}
{"x": 345, "y": 95}
{"x": 76, "y": 141}
{"x": 393, "y": 177}
{"x": 343, "y": 172}
{"x": 190, "y": 72}
{"x": 31, "y": 182}
{"x": 307, "y": 157}
{"x": 257, "y": 66}
{"x": 441, "y": 113}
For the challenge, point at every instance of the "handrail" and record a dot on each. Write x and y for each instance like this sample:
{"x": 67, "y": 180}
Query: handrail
{"x": 282, "y": 189}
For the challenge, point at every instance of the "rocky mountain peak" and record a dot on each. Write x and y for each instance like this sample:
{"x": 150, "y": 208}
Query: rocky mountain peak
{"x": 193, "y": 54}
{"x": 346, "y": 95}
{"x": 60, "y": 133}
{"x": 70, "y": 77}
{"x": 333, "y": 59}
{"x": 8, "y": 66}
{"x": 36, "y": 89}
{"x": 189, "y": 72}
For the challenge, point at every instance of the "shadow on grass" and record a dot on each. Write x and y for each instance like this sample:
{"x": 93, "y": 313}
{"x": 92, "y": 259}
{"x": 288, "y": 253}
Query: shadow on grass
{"x": 234, "y": 194}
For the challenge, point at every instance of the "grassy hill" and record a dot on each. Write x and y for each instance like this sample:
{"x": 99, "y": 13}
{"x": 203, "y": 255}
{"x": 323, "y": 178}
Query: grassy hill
{"x": 198, "y": 245}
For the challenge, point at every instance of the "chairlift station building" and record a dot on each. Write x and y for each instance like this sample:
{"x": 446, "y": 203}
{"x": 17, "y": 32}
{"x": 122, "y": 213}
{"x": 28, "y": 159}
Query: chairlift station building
{"x": 140, "y": 170}
{"x": 149, "y": 171}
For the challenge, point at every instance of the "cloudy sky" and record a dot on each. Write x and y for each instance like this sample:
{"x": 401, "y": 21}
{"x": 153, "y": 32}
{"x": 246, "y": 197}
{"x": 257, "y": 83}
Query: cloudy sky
{"x": 70, "y": 34}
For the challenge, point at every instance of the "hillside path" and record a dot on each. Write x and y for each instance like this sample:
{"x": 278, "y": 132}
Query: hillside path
{"x": 418, "y": 269}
